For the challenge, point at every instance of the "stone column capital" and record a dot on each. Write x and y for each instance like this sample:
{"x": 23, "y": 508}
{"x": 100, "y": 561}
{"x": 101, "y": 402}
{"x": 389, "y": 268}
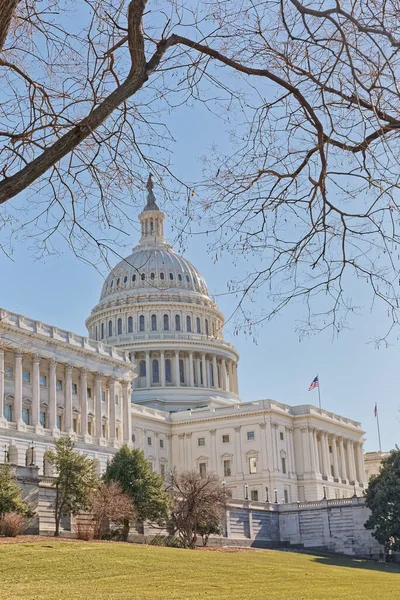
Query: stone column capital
{"x": 98, "y": 376}
{"x": 84, "y": 371}
{"x": 52, "y": 362}
{"x": 68, "y": 368}
{"x": 36, "y": 358}
{"x": 262, "y": 425}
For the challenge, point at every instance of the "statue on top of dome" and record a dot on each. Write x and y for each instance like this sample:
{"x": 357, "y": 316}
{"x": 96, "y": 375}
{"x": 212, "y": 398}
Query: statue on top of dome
{"x": 151, "y": 199}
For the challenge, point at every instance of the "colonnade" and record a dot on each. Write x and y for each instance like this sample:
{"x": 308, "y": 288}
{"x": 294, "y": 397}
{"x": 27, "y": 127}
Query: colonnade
{"x": 57, "y": 395}
{"x": 188, "y": 369}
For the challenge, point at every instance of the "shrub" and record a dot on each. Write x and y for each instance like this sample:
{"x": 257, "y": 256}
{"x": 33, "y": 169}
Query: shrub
{"x": 12, "y": 524}
{"x": 84, "y": 530}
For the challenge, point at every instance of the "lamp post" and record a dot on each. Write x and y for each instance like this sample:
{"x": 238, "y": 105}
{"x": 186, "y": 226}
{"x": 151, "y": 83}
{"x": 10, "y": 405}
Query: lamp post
{"x": 32, "y": 447}
{"x": 5, "y": 454}
{"x": 267, "y": 494}
{"x": 324, "y": 498}
{"x": 246, "y": 491}
{"x": 276, "y": 496}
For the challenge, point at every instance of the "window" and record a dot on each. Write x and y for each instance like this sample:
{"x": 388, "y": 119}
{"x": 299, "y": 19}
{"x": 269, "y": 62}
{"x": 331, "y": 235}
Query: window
{"x": 203, "y": 470}
{"x": 75, "y": 425}
{"x": 286, "y": 496}
{"x": 283, "y": 461}
{"x": 74, "y": 388}
{"x": 102, "y": 331}
{"x": 142, "y": 368}
{"x": 133, "y": 438}
{"x": 59, "y": 385}
{"x": 166, "y": 323}
{"x": 119, "y": 326}
{"x": 154, "y": 322}
{"x": 9, "y": 372}
{"x": 110, "y": 328}
{"x": 112, "y": 283}
{"x": 252, "y": 464}
{"x": 7, "y": 412}
{"x": 59, "y": 422}
{"x": 116, "y": 398}
{"x": 161, "y": 443}
{"x": 90, "y": 427}
{"x": 210, "y": 375}
{"x": 125, "y": 278}
{"x": 188, "y": 278}
{"x": 168, "y": 371}
{"x": 188, "y": 324}
{"x": 43, "y": 419}
{"x": 104, "y": 430}
{"x": 97, "y": 335}
{"x": 103, "y": 396}
{"x": 141, "y": 323}
{"x": 149, "y": 441}
{"x": 254, "y": 495}
{"x": 181, "y": 371}
{"x": 156, "y": 371}
{"x": 225, "y": 438}
{"x": 118, "y": 281}
{"x": 227, "y": 468}
{"x": 177, "y": 323}
{"x": 250, "y": 435}
{"x": 130, "y": 325}
{"x": 281, "y": 435}
{"x": 43, "y": 380}
{"x": 117, "y": 432}
{"x": 198, "y": 325}
{"x": 179, "y": 277}
{"x": 162, "y": 471}
{"x": 171, "y": 276}
{"x": 152, "y": 276}
{"x": 206, "y": 326}
{"x": 134, "y": 277}
{"x": 26, "y": 376}
{"x": 142, "y": 276}
{"x": 162, "y": 276}
{"x": 25, "y": 415}
{"x": 89, "y": 392}
{"x": 201, "y": 441}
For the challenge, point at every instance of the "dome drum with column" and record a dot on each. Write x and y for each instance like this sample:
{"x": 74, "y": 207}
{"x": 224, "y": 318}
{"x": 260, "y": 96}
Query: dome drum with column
{"x": 156, "y": 305}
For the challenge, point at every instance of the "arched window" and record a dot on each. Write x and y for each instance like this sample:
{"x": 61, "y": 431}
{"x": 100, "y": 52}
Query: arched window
{"x": 118, "y": 281}
{"x": 171, "y": 276}
{"x": 151, "y": 226}
{"x": 141, "y": 323}
{"x": 188, "y": 278}
{"x": 181, "y": 371}
{"x": 179, "y": 277}
{"x": 109, "y": 328}
{"x": 168, "y": 371}
{"x": 142, "y": 276}
{"x": 156, "y": 371}
{"x": 162, "y": 276}
{"x": 206, "y": 325}
{"x": 188, "y": 323}
{"x": 102, "y": 331}
{"x": 130, "y": 325}
{"x": 152, "y": 275}
{"x": 119, "y": 326}
{"x": 198, "y": 325}
{"x": 142, "y": 368}
{"x": 134, "y": 277}
{"x": 112, "y": 283}
{"x": 154, "y": 322}
{"x": 177, "y": 323}
{"x": 125, "y": 278}
{"x": 210, "y": 375}
{"x": 166, "y": 323}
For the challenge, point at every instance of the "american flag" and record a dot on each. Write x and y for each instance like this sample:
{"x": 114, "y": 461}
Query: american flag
{"x": 314, "y": 384}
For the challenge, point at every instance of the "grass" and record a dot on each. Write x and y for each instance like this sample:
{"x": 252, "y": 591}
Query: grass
{"x": 51, "y": 570}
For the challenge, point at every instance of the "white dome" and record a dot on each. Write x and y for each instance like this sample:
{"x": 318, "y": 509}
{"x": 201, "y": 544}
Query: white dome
{"x": 156, "y": 268}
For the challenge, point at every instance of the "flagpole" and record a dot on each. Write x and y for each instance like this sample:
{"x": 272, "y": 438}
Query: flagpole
{"x": 379, "y": 430}
{"x": 319, "y": 392}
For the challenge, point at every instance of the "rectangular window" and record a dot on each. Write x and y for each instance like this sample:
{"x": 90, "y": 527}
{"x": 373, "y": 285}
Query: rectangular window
{"x": 75, "y": 425}
{"x": 43, "y": 419}
{"x": 104, "y": 430}
{"x": 103, "y": 396}
{"x": 201, "y": 441}
{"x": 89, "y": 392}
{"x": 43, "y": 380}
{"x": 254, "y": 495}
{"x": 9, "y": 372}
{"x": 149, "y": 441}
{"x": 252, "y": 464}
{"x": 227, "y": 468}
{"x": 203, "y": 470}
{"x": 283, "y": 464}
{"x": 90, "y": 427}
{"x": 59, "y": 385}
{"x": 25, "y": 415}
{"x": 74, "y": 388}
{"x": 225, "y": 439}
{"x": 286, "y": 496}
{"x": 161, "y": 443}
{"x": 117, "y": 432}
{"x": 116, "y": 399}
{"x": 59, "y": 422}
{"x": 162, "y": 470}
{"x": 26, "y": 376}
{"x": 7, "y": 412}
{"x": 250, "y": 435}
{"x": 281, "y": 435}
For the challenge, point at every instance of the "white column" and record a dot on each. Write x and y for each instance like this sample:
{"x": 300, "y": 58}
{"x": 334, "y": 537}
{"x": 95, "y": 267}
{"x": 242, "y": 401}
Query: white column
{"x": 360, "y": 463}
{"x": 2, "y": 419}
{"x": 53, "y": 396}
{"x": 264, "y": 464}
{"x": 126, "y": 408}
{"x": 328, "y": 458}
{"x": 18, "y": 391}
{"x": 316, "y": 452}
{"x": 191, "y": 374}
{"x": 198, "y": 374}
{"x": 97, "y": 393}
{"x": 352, "y": 464}
{"x": 306, "y": 449}
{"x": 177, "y": 376}
{"x": 36, "y": 392}
{"x": 335, "y": 457}
{"x": 111, "y": 403}
{"x": 204, "y": 368}
{"x": 84, "y": 402}
{"x": 343, "y": 469}
{"x": 162, "y": 368}
{"x": 223, "y": 374}
{"x": 238, "y": 452}
{"x": 230, "y": 386}
{"x": 236, "y": 378}
{"x": 148, "y": 374}
{"x": 324, "y": 456}
{"x": 68, "y": 400}
{"x": 312, "y": 450}
{"x": 215, "y": 371}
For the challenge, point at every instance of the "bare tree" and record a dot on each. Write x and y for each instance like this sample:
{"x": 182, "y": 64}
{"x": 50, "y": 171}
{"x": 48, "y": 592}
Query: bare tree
{"x": 109, "y": 504}
{"x": 308, "y": 92}
{"x": 198, "y": 504}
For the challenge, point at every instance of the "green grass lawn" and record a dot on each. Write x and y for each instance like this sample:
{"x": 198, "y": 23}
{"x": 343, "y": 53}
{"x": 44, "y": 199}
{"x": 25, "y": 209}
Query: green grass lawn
{"x": 50, "y": 570}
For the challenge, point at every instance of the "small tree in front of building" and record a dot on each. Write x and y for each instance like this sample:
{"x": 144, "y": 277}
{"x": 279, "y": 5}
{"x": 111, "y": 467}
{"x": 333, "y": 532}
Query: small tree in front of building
{"x": 10, "y": 494}
{"x": 130, "y": 469}
{"x": 74, "y": 482}
{"x": 383, "y": 499}
{"x": 198, "y": 504}
{"x": 110, "y": 508}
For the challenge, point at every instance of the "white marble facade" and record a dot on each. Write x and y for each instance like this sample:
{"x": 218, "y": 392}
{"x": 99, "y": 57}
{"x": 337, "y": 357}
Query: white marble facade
{"x": 157, "y": 331}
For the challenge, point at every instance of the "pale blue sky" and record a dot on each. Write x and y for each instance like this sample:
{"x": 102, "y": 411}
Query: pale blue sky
{"x": 353, "y": 373}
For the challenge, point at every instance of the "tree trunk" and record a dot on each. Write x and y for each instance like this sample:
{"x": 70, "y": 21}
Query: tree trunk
{"x": 7, "y": 10}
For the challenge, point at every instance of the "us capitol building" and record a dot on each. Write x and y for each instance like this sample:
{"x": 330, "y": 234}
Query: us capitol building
{"x": 155, "y": 373}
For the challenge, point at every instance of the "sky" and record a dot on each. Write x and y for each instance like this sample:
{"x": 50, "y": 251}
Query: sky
{"x": 353, "y": 373}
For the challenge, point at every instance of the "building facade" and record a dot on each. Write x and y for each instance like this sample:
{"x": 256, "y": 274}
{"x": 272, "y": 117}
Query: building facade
{"x": 156, "y": 373}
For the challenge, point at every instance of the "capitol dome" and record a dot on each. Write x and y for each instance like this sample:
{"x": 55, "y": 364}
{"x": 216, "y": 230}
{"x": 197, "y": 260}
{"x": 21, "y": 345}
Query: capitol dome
{"x": 156, "y": 305}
